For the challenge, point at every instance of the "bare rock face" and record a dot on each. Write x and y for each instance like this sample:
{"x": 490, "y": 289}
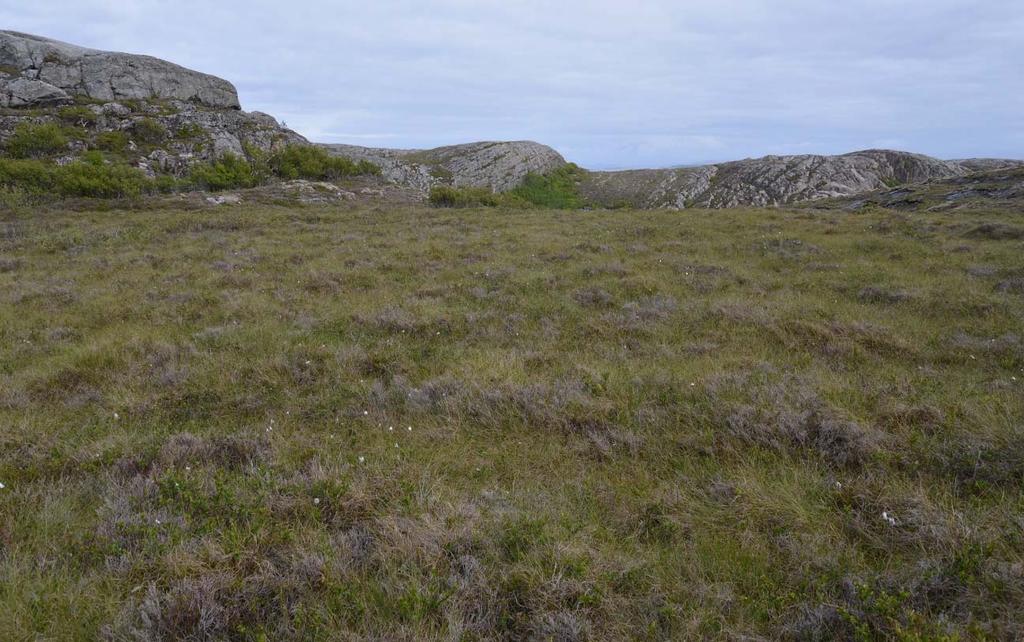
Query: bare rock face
{"x": 101, "y": 75}
{"x": 772, "y": 180}
{"x": 500, "y": 166}
{"x": 22, "y": 92}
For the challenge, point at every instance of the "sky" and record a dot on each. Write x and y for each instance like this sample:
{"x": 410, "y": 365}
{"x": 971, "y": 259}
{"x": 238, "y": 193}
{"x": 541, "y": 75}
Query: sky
{"x": 609, "y": 84}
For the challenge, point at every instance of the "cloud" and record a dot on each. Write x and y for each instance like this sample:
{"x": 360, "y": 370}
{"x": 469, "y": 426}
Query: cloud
{"x": 611, "y": 84}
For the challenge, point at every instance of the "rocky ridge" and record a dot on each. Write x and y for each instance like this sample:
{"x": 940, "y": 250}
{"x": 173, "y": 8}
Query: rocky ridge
{"x": 168, "y": 118}
{"x": 1001, "y": 188}
{"x": 500, "y": 166}
{"x": 774, "y": 180}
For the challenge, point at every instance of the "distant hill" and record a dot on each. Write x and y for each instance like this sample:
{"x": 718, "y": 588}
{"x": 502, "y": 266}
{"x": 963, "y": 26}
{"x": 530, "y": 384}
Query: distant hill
{"x": 774, "y": 180}
{"x": 500, "y": 166}
{"x": 164, "y": 119}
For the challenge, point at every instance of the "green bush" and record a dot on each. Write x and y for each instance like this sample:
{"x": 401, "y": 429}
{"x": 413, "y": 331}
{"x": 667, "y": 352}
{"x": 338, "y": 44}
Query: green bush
{"x": 90, "y": 177}
{"x": 558, "y": 189}
{"x": 149, "y": 131}
{"x": 13, "y": 199}
{"x": 227, "y": 172}
{"x": 78, "y": 115}
{"x": 32, "y": 176}
{"x": 98, "y": 180}
{"x": 189, "y": 131}
{"x": 36, "y": 140}
{"x": 448, "y": 196}
{"x": 314, "y": 163}
{"x": 115, "y": 141}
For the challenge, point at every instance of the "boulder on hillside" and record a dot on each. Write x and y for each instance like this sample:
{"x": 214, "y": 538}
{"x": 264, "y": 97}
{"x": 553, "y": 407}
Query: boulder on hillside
{"x": 22, "y": 92}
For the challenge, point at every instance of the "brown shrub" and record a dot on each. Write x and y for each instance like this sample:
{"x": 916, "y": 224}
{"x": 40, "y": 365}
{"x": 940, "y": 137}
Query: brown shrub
{"x": 1013, "y": 285}
{"x": 996, "y": 232}
{"x": 186, "y": 449}
{"x": 875, "y": 294}
{"x": 787, "y": 416}
{"x": 593, "y": 297}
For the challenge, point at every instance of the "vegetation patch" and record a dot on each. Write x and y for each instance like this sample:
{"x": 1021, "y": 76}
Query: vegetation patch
{"x": 448, "y": 196}
{"x": 558, "y": 189}
{"x": 314, "y": 163}
{"x": 90, "y": 178}
{"x": 409, "y": 423}
{"x": 37, "y": 140}
{"x": 227, "y": 172}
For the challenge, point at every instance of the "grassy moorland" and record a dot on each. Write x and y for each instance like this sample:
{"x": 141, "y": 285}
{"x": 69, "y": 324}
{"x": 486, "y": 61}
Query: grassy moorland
{"x": 271, "y": 422}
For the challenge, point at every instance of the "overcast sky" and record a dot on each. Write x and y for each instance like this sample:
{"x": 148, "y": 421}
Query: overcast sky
{"x": 629, "y": 83}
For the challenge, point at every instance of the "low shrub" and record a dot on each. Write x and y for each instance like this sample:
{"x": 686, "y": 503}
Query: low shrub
{"x": 149, "y": 131}
{"x": 30, "y": 176}
{"x": 314, "y": 163}
{"x": 189, "y": 131}
{"x": 227, "y": 172}
{"x": 95, "y": 179}
{"x": 77, "y": 115}
{"x": 113, "y": 141}
{"x": 558, "y": 189}
{"x": 91, "y": 177}
{"x": 36, "y": 140}
{"x": 448, "y": 196}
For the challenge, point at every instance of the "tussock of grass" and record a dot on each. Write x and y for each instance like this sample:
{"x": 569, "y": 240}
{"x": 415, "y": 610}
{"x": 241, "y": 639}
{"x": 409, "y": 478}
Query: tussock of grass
{"x": 279, "y": 423}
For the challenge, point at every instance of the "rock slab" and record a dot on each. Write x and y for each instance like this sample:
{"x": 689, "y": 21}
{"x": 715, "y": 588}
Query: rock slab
{"x": 35, "y": 70}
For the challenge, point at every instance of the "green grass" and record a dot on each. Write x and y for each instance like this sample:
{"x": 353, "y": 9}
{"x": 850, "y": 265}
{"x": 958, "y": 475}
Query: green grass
{"x": 624, "y": 425}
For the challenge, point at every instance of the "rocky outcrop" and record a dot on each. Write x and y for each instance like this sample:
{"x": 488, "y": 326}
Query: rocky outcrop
{"x": 772, "y": 180}
{"x": 40, "y": 71}
{"x": 160, "y": 138}
{"x": 988, "y": 164}
{"x": 154, "y": 114}
{"x": 500, "y": 166}
{"x": 998, "y": 185}
{"x": 23, "y": 92}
